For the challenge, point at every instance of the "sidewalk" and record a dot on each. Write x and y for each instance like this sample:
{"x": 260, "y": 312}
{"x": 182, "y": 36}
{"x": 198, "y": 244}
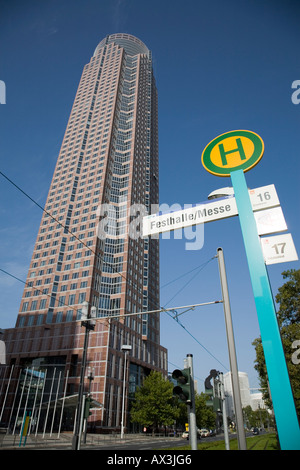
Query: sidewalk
{"x": 64, "y": 441}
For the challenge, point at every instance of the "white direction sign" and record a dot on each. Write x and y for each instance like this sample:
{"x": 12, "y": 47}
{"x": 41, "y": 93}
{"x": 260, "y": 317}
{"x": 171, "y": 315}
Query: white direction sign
{"x": 198, "y": 214}
{"x": 261, "y": 198}
{"x": 270, "y": 221}
{"x": 279, "y": 249}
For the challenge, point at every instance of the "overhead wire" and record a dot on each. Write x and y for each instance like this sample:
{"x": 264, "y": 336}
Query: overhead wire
{"x": 61, "y": 224}
{"x": 108, "y": 317}
{"x": 109, "y": 264}
{"x": 201, "y": 267}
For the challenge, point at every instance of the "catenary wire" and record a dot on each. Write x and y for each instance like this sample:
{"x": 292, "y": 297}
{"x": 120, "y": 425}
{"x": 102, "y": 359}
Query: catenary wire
{"x": 109, "y": 264}
{"x": 105, "y": 318}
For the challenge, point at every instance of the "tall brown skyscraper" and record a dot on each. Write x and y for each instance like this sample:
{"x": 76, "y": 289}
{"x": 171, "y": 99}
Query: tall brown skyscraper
{"x": 108, "y": 163}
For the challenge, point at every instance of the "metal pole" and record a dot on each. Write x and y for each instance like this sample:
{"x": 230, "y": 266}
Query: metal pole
{"x": 277, "y": 370}
{"x": 41, "y": 402}
{"x": 191, "y": 407}
{"x": 224, "y": 414}
{"x": 90, "y": 378}
{"x": 123, "y": 398}
{"x": 232, "y": 354}
{"x": 63, "y": 405}
{"x": 6, "y": 393}
{"x": 55, "y": 403}
{"x": 34, "y": 403}
{"x": 15, "y": 396}
{"x": 49, "y": 401}
{"x": 28, "y": 393}
{"x": 78, "y": 430}
{"x": 20, "y": 400}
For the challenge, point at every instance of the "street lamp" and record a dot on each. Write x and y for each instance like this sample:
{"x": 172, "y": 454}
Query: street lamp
{"x": 126, "y": 348}
{"x": 88, "y": 322}
{"x": 223, "y": 192}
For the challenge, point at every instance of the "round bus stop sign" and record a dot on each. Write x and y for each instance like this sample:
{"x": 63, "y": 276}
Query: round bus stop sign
{"x": 234, "y": 150}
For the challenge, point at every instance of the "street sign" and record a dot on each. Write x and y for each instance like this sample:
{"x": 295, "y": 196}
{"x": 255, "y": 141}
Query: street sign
{"x": 264, "y": 197}
{"x": 234, "y": 150}
{"x": 232, "y": 154}
{"x": 205, "y": 212}
{"x": 280, "y": 386}
{"x": 261, "y": 198}
{"x": 279, "y": 249}
{"x": 270, "y": 221}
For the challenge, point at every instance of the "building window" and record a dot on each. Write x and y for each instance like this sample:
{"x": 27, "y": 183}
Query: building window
{"x": 43, "y": 303}
{"x": 49, "y": 317}
{"x": 82, "y": 297}
{"x": 21, "y": 322}
{"x": 69, "y": 316}
{"x": 59, "y": 317}
{"x": 25, "y": 306}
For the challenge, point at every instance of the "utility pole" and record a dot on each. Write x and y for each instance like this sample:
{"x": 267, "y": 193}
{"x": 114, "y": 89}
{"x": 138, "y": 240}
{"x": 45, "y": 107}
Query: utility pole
{"x": 191, "y": 406}
{"x": 224, "y": 414}
{"x": 232, "y": 354}
{"x": 88, "y": 322}
{"x": 126, "y": 348}
{"x": 185, "y": 392}
{"x": 216, "y": 398}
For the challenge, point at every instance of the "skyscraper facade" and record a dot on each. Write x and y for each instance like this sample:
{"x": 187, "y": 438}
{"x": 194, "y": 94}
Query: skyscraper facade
{"x": 89, "y": 248}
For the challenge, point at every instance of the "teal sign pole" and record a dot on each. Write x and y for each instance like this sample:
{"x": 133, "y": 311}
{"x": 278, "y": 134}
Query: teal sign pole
{"x": 231, "y": 154}
{"x": 282, "y": 397}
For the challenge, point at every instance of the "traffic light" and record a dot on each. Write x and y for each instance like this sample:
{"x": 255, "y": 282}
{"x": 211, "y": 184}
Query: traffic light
{"x": 183, "y": 390}
{"x": 209, "y": 389}
{"x": 212, "y": 391}
{"x": 87, "y": 405}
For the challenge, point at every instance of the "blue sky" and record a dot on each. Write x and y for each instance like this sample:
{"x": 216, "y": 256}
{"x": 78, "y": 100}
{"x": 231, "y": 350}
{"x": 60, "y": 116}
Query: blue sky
{"x": 219, "y": 66}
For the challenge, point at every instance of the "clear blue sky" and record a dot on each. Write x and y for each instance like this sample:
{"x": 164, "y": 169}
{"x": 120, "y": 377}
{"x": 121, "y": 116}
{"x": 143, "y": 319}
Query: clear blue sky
{"x": 220, "y": 66}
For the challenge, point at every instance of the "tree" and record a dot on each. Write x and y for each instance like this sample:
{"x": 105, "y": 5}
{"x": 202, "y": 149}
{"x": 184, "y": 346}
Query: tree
{"x": 153, "y": 404}
{"x": 288, "y": 300}
{"x": 259, "y": 418}
{"x": 205, "y": 416}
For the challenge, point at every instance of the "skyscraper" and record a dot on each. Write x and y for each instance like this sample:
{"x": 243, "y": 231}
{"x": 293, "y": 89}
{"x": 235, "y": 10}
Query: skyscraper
{"x": 88, "y": 247}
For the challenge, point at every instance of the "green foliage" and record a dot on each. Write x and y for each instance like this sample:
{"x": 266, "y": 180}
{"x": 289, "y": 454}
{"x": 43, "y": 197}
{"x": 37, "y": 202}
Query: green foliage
{"x": 261, "y": 442}
{"x": 288, "y": 300}
{"x": 153, "y": 405}
{"x": 257, "y": 418}
{"x": 205, "y": 417}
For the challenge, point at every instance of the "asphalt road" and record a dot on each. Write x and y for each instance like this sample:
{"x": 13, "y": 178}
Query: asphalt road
{"x": 98, "y": 442}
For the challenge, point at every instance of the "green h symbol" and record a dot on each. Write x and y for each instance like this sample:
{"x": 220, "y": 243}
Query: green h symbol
{"x": 239, "y": 149}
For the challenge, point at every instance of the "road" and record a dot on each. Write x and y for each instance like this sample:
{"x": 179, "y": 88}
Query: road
{"x": 140, "y": 444}
{"x": 148, "y": 443}
{"x": 137, "y": 442}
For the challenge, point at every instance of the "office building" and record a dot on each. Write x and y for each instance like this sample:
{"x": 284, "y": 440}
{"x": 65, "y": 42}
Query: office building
{"x": 88, "y": 248}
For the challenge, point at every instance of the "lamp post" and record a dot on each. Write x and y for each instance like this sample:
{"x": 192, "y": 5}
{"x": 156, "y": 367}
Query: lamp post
{"x": 90, "y": 377}
{"x": 88, "y": 322}
{"x": 126, "y": 348}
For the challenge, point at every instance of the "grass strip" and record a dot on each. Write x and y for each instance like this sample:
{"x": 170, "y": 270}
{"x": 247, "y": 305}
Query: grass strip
{"x": 261, "y": 442}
